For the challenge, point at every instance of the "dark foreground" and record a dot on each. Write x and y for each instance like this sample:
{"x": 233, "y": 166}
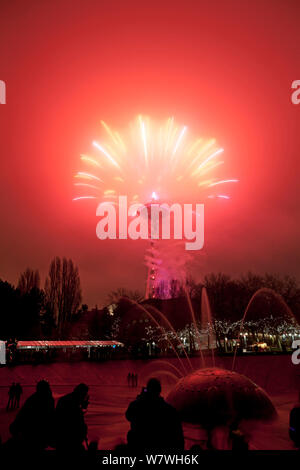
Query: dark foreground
{"x": 110, "y": 396}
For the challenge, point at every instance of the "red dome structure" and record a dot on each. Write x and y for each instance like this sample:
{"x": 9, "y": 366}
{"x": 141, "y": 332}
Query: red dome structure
{"x": 213, "y": 397}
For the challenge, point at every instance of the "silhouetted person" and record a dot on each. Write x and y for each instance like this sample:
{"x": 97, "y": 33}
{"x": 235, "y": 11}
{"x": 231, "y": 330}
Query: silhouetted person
{"x": 239, "y": 441}
{"x": 11, "y": 397}
{"x": 294, "y": 429}
{"x": 129, "y": 378}
{"x": 33, "y": 426}
{"x": 18, "y": 393}
{"x": 71, "y": 430}
{"x": 155, "y": 424}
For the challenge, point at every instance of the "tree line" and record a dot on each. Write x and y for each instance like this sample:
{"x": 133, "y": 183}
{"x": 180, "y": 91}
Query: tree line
{"x": 31, "y": 312}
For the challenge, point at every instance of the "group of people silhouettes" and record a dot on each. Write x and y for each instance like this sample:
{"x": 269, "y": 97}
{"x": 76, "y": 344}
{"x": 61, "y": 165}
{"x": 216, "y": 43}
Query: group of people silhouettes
{"x": 132, "y": 379}
{"x": 14, "y": 396}
{"x": 40, "y": 425}
{"x": 154, "y": 424}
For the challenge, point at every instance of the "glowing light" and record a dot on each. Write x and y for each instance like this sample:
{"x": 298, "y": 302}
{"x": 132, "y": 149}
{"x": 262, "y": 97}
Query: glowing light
{"x": 179, "y": 139}
{"x": 220, "y": 196}
{"x": 204, "y": 183}
{"x": 83, "y": 174}
{"x": 210, "y": 166}
{"x": 90, "y": 160}
{"x": 123, "y": 146}
{"x": 169, "y": 130}
{"x": 110, "y": 132}
{"x": 213, "y": 155}
{"x": 83, "y": 197}
{"x": 160, "y": 155}
{"x": 223, "y": 181}
{"x": 144, "y": 138}
{"x": 203, "y": 150}
{"x": 194, "y": 146}
{"x": 119, "y": 178}
{"x": 99, "y": 147}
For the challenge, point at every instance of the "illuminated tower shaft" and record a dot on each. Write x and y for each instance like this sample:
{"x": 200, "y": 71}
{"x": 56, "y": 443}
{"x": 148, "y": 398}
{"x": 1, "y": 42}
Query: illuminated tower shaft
{"x": 151, "y": 285}
{"x": 152, "y": 277}
{"x": 157, "y": 284}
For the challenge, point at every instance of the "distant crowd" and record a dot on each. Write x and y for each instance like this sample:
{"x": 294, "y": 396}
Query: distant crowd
{"x": 132, "y": 379}
{"x": 154, "y": 424}
{"x": 14, "y": 395}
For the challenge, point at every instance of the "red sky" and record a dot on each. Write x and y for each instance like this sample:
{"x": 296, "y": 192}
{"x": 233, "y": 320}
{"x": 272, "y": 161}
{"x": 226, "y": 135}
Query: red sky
{"x": 223, "y": 67}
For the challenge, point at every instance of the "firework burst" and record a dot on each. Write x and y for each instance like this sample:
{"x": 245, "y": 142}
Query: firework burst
{"x": 151, "y": 161}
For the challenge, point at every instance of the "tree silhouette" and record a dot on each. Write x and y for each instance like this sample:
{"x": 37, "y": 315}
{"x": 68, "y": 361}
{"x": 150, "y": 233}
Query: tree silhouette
{"x": 63, "y": 291}
{"x": 28, "y": 280}
{"x": 121, "y": 292}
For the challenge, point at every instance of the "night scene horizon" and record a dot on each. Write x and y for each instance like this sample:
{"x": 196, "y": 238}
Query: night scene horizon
{"x": 226, "y": 76}
{"x": 150, "y": 224}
